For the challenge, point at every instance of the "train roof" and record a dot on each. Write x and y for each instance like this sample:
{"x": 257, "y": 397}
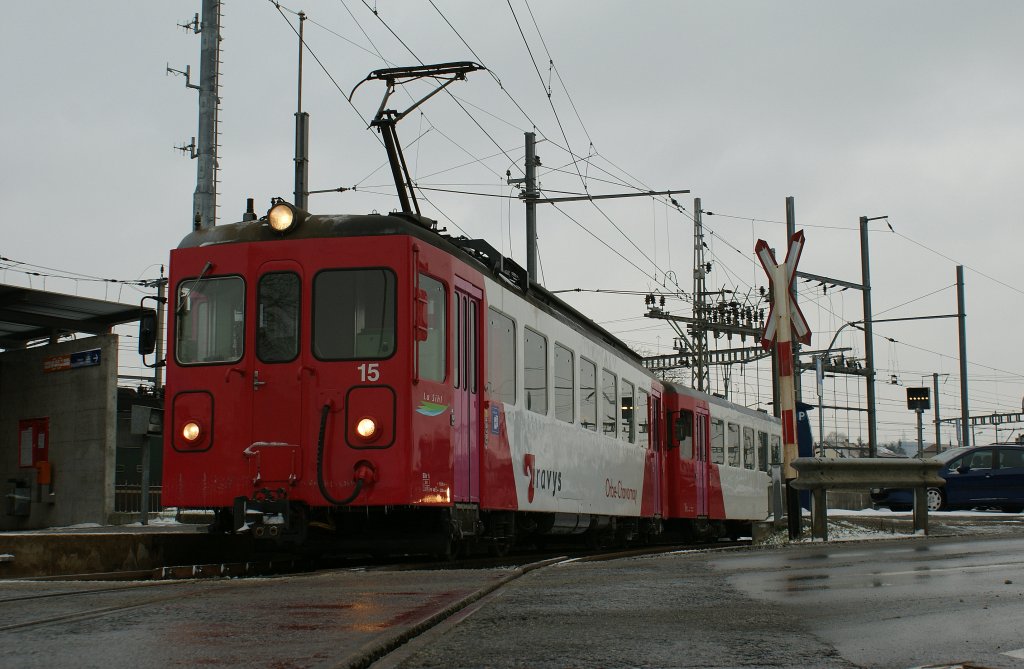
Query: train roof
{"x": 475, "y": 252}
{"x": 718, "y": 400}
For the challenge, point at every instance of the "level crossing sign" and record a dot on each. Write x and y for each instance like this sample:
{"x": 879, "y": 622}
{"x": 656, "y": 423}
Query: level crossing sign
{"x": 786, "y": 274}
{"x": 785, "y": 323}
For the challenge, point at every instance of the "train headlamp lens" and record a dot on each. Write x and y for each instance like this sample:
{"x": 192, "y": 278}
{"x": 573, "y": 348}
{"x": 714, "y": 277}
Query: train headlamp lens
{"x": 366, "y": 428}
{"x": 191, "y": 431}
{"x": 281, "y": 217}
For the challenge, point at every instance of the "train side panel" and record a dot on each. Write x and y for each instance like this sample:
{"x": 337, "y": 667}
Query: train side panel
{"x": 561, "y": 464}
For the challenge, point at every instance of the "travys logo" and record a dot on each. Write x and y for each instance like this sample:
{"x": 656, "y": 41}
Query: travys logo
{"x": 540, "y": 479}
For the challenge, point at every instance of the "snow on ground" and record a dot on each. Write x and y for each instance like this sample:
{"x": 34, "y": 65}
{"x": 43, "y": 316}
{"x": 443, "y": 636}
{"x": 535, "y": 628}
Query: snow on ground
{"x": 934, "y": 514}
{"x": 871, "y": 524}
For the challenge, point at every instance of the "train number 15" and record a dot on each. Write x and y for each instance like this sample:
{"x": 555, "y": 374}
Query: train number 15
{"x": 369, "y": 372}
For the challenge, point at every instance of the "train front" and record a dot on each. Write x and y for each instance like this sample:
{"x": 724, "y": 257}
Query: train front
{"x": 293, "y": 342}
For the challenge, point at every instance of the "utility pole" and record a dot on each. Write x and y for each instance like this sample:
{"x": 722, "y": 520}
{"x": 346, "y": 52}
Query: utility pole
{"x": 301, "y": 134}
{"x": 965, "y": 422}
{"x": 869, "y": 335}
{"x": 530, "y": 196}
{"x": 938, "y": 440}
{"x": 699, "y": 370}
{"x": 204, "y": 202}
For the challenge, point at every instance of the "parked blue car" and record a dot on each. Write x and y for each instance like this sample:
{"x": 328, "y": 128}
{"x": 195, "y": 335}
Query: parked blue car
{"x": 977, "y": 477}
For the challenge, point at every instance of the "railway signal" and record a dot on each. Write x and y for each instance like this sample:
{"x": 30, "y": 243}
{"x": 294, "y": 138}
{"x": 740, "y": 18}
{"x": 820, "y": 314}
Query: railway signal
{"x": 784, "y": 321}
{"x": 919, "y": 401}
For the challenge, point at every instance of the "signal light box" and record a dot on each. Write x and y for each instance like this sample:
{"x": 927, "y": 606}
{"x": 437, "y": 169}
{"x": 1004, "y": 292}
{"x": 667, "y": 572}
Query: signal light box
{"x": 919, "y": 399}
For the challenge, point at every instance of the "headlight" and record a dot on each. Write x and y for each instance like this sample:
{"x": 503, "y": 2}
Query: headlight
{"x": 281, "y": 217}
{"x": 191, "y": 431}
{"x": 366, "y": 428}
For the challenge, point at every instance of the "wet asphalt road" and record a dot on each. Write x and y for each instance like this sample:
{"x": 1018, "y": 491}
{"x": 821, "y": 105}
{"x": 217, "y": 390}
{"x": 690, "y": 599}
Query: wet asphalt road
{"x": 889, "y": 603}
{"x": 901, "y": 603}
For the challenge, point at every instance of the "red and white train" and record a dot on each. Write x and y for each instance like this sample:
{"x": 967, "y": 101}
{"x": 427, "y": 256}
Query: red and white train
{"x": 370, "y": 378}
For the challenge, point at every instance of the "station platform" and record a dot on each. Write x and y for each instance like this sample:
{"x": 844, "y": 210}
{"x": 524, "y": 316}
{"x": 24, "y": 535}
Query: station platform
{"x": 96, "y": 549}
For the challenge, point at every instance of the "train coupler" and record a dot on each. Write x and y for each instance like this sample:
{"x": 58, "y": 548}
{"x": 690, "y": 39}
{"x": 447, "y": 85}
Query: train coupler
{"x": 270, "y": 515}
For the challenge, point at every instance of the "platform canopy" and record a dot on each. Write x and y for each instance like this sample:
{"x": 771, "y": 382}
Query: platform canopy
{"x": 28, "y": 315}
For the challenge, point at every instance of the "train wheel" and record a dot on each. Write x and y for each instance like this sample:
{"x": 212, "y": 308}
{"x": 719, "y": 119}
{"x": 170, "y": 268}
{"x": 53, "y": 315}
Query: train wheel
{"x": 500, "y": 532}
{"x": 447, "y": 538}
{"x": 451, "y": 549}
{"x": 501, "y": 547}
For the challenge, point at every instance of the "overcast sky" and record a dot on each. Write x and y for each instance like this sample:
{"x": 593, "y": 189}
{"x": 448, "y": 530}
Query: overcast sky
{"x": 913, "y": 110}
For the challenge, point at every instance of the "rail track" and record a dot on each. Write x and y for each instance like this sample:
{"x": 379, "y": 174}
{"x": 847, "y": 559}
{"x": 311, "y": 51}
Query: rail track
{"x": 358, "y": 613}
{"x": 93, "y": 611}
{"x": 389, "y": 654}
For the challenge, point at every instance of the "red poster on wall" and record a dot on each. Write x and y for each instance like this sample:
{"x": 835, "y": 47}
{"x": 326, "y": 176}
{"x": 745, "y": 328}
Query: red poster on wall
{"x": 34, "y": 441}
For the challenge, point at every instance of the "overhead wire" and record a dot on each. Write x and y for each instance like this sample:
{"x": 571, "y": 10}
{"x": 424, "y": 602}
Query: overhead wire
{"x": 480, "y": 60}
{"x": 603, "y": 243}
{"x": 420, "y": 61}
{"x": 281, "y": 9}
{"x": 43, "y": 271}
{"x": 551, "y": 103}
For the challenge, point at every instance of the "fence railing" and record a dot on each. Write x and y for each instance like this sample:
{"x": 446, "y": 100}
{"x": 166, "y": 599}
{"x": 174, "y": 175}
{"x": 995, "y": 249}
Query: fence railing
{"x": 128, "y": 499}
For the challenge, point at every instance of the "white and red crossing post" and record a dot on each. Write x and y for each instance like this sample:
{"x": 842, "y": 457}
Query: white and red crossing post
{"x": 784, "y": 322}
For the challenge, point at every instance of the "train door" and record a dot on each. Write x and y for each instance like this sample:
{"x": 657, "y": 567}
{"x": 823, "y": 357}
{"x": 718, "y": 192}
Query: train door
{"x": 657, "y": 448}
{"x": 465, "y": 417}
{"x": 277, "y": 361}
{"x": 700, "y": 460}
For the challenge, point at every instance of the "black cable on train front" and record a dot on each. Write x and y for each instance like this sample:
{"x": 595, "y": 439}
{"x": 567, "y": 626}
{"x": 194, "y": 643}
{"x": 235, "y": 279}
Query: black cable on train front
{"x": 324, "y": 412}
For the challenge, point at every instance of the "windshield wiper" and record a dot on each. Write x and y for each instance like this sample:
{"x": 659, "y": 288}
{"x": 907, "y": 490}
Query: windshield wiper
{"x": 182, "y": 298}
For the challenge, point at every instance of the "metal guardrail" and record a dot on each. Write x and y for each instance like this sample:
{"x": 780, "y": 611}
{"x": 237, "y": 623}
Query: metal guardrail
{"x": 822, "y": 474}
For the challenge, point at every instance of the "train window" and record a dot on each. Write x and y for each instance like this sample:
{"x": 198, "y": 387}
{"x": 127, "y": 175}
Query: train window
{"x": 431, "y": 355}
{"x": 762, "y": 451}
{"x": 277, "y": 317}
{"x": 609, "y": 404}
{"x": 535, "y": 371}
{"x": 354, "y": 314}
{"x": 501, "y": 356}
{"x": 684, "y": 434}
{"x": 643, "y": 426}
{"x": 717, "y": 441}
{"x": 588, "y": 394}
{"x": 776, "y": 442}
{"x": 564, "y": 378}
{"x": 626, "y": 401}
{"x": 748, "y": 448}
{"x": 733, "y": 444}
{"x": 211, "y": 320}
